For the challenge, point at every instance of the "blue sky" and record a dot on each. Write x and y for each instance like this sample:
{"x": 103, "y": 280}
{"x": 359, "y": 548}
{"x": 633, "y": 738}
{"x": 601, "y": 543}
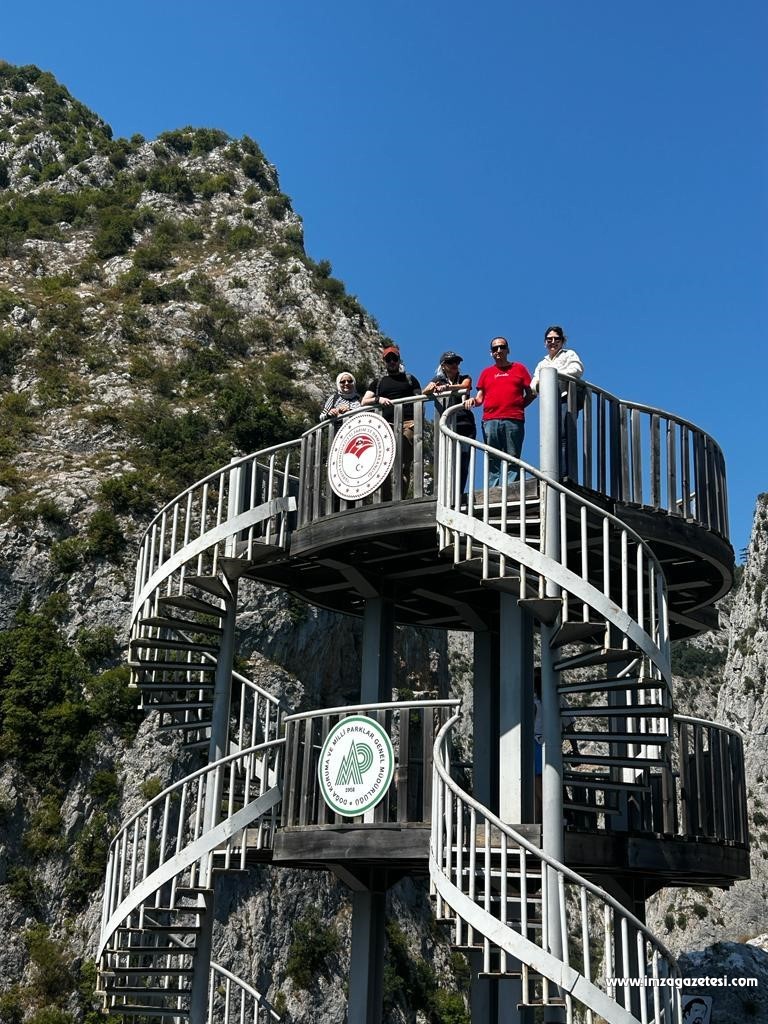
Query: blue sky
{"x": 484, "y": 169}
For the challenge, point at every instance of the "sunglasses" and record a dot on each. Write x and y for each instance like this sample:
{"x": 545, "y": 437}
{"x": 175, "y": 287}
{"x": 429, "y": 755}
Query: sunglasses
{"x": 391, "y": 359}
{"x": 500, "y": 348}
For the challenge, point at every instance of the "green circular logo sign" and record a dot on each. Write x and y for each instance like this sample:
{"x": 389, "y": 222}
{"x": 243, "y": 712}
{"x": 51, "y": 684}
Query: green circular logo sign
{"x": 356, "y": 766}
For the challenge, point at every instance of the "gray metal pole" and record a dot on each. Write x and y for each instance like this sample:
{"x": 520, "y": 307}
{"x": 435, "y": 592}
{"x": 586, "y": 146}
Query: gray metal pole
{"x": 515, "y": 712}
{"x": 366, "y": 964}
{"x": 483, "y": 747}
{"x": 552, "y": 771}
{"x": 198, "y": 1003}
{"x": 366, "y": 967}
{"x": 218, "y": 745}
{"x": 378, "y": 644}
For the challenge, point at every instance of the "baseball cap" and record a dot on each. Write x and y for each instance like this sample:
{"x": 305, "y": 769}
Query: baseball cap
{"x": 390, "y": 350}
{"x": 451, "y": 357}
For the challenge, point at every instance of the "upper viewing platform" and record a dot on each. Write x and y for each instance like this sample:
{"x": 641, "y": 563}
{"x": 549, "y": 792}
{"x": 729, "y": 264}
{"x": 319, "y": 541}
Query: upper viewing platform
{"x": 656, "y": 473}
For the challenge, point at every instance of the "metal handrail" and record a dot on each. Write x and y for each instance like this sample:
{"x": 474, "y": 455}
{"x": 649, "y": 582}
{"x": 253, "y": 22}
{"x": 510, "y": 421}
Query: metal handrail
{"x": 537, "y": 851}
{"x": 233, "y": 464}
{"x": 133, "y": 861}
{"x": 246, "y": 990}
{"x": 457, "y": 519}
{"x": 691, "y": 720}
{"x": 450, "y": 859}
{"x": 678, "y": 468}
{"x": 383, "y": 706}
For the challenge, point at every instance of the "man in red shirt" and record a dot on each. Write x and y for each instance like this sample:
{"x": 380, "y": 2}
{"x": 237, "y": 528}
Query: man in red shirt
{"x": 503, "y": 390}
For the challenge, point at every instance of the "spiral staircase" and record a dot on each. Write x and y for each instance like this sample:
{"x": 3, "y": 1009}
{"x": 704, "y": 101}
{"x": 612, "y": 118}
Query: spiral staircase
{"x": 599, "y": 594}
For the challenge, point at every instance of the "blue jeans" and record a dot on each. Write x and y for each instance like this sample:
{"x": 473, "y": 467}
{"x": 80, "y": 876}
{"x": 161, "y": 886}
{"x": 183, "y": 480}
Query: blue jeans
{"x": 507, "y": 436}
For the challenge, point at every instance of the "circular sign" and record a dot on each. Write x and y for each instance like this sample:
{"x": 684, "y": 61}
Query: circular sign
{"x": 361, "y": 457}
{"x": 356, "y": 766}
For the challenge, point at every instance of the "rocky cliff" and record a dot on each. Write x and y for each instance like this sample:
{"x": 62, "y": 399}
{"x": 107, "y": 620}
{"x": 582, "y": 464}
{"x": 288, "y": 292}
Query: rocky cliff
{"x": 158, "y": 315}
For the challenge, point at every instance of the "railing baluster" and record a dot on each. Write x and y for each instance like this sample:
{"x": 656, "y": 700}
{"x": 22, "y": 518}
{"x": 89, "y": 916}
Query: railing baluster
{"x": 637, "y": 458}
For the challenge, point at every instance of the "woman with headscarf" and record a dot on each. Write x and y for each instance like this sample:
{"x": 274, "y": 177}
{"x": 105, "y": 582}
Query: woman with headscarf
{"x": 344, "y": 398}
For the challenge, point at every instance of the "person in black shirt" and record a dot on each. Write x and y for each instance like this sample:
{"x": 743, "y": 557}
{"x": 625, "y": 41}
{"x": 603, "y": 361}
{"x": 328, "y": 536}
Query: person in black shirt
{"x": 447, "y": 384}
{"x": 395, "y": 383}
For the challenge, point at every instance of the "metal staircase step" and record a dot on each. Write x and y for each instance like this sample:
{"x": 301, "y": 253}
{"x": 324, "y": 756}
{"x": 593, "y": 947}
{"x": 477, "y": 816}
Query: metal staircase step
{"x": 597, "y": 656}
{"x": 619, "y": 737}
{"x": 260, "y": 552}
{"x": 586, "y": 780}
{"x": 180, "y": 908}
{"x": 143, "y": 1010}
{"x": 181, "y": 706}
{"x": 507, "y": 584}
{"x": 211, "y": 585}
{"x": 575, "y": 632}
{"x": 133, "y": 972}
{"x": 180, "y": 625}
{"x": 191, "y": 604}
{"x": 173, "y": 686}
{"x": 618, "y": 711}
{"x": 147, "y": 991}
{"x": 591, "y": 808}
{"x": 200, "y": 744}
{"x": 141, "y": 949}
{"x": 614, "y": 761}
{"x": 545, "y": 609}
{"x": 186, "y": 727}
{"x": 630, "y": 684}
{"x": 161, "y": 929}
{"x": 156, "y": 643}
{"x": 173, "y": 666}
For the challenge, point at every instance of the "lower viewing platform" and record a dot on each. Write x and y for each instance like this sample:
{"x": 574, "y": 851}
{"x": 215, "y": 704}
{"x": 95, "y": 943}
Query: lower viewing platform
{"x": 709, "y": 845}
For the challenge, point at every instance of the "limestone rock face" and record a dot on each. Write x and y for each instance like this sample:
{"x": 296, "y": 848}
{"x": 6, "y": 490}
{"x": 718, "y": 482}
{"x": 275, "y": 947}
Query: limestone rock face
{"x": 158, "y": 315}
{"x": 735, "y": 696}
{"x": 720, "y": 974}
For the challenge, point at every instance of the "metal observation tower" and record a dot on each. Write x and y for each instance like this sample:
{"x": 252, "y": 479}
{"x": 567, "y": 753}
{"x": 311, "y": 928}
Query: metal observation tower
{"x": 577, "y": 575}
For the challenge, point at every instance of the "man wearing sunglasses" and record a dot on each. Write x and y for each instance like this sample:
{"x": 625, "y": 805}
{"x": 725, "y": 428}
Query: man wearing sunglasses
{"x": 396, "y": 383}
{"x": 503, "y": 391}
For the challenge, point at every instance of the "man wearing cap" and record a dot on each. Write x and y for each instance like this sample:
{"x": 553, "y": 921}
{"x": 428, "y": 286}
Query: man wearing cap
{"x": 503, "y": 390}
{"x": 446, "y": 383}
{"x": 395, "y": 383}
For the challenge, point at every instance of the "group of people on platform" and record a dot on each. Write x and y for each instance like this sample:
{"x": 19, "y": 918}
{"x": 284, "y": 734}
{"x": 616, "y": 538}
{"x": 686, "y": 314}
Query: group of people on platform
{"x": 504, "y": 390}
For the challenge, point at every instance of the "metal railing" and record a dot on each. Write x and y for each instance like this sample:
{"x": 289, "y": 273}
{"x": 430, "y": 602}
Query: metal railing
{"x": 316, "y": 497}
{"x": 640, "y": 455}
{"x": 248, "y": 502}
{"x": 712, "y": 789}
{"x": 493, "y": 883}
{"x": 411, "y": 726}
{"x": 503, "y": 530}
{"x": 168, "y": 832}
{"x": 233, "y": 1001}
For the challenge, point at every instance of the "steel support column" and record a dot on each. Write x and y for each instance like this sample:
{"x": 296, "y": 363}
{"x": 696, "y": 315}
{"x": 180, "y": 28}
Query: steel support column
{"x": 366, "y": 968}
{"x": 553, "y": 840}
{"x": 366, "y": 964}
{"x": 378, "y": 644}
{"x": 515, "y": 712}
{"x": 198, "y": 1003}
{"x": 485, "y": 718}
